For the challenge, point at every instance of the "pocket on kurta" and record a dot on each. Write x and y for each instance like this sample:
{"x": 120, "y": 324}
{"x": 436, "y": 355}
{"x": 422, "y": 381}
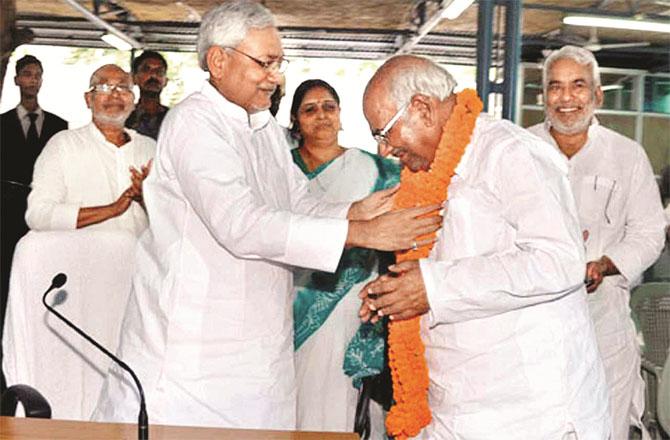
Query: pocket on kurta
{"x": 598, "y": 200}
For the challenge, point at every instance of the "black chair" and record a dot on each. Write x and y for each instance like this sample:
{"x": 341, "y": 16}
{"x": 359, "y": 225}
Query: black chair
{"x": 34, "y": 404}
{"x": 12, "y": 228}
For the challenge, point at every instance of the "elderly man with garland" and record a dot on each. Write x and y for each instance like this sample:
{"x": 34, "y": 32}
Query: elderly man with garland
{"x": 499, "y": 299}
{"x": 209, "y": 327}
{"x": 620, "y": 213}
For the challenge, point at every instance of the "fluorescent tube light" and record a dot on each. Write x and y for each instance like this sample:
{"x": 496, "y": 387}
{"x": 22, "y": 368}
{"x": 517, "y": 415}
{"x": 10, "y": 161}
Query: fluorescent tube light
{"x": 612, "y": 87}
{"x": 115, "y": 41}
{"x": 617, "y": 23}
{"x": 456, "y": 8}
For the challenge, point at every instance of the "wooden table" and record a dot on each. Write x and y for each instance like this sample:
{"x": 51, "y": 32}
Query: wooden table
{"x": 17, "y": 428}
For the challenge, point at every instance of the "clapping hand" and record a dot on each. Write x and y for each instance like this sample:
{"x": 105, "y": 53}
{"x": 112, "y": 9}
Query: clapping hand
{"x": 136, "y": 178}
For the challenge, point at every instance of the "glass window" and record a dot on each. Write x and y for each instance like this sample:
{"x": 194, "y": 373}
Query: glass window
{"x": 657, "y": 94}
{"x": 532, "y": 87}
{"x": 618, "y": 91}
{"x": 531, "y": 117}
{"x": 622, "y": 124}
{"x": 656, "y": 141}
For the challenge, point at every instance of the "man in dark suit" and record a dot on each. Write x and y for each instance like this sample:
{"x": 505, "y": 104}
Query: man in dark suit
{"x": 26, "y": 128}
{"x": 24, "y": 131}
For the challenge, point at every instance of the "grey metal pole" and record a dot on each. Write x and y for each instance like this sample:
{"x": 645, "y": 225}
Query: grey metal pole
{"x": 512, "y": 57}
{"x": 484, "y": 46}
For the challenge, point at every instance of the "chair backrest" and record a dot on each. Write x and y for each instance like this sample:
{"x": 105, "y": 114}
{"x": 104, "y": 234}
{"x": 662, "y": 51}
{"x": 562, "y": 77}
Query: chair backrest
{"x": 664, "y": 397}
{"x": 34, "y": 404}
{"x": 650, "y": 304}
{"x": 660, "y": 270}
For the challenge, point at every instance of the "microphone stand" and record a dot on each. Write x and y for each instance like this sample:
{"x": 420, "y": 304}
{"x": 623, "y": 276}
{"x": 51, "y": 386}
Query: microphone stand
{"x": 143, "y": 418}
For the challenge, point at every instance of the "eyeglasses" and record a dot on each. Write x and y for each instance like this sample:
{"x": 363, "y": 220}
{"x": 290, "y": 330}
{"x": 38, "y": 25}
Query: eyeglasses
{"x": 278, "y": 65}
{"x": 313, "y": 107}
{"x": 111, "y": 88}
{"x": 381, "y": 135}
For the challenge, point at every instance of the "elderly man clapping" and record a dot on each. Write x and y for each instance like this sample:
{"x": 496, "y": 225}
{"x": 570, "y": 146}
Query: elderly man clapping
{"x": 92, "y": 176}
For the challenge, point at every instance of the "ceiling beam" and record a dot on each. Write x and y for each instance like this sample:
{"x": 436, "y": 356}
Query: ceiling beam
{"x": 99, "y": 22}
{"x": 426, "y": 25}
{"x": 590, "y": 11}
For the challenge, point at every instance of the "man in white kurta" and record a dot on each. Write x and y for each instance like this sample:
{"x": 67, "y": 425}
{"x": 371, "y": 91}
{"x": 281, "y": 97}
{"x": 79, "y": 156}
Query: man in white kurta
{"x": 620, "y": 214}
{"x": 209, "y": 326}
{"x": 208, "y": 323}
{"x": 80, "y": 168}
{"x": 501, "y": 293}
{"x": 89, "y": 176}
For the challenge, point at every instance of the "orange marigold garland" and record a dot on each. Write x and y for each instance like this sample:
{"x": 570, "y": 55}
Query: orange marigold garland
{"x": 410, "y": 412}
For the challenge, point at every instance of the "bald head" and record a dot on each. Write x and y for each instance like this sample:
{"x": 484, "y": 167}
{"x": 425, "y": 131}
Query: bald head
{"x": 379, "y": 86}
{"x": 404, "y": 76}
{"x": 406, "y": 103}
{"x": 101, "y": 75}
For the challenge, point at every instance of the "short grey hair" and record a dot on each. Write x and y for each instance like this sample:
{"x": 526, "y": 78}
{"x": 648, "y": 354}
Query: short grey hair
{"x": 227, "y": 25}
{"x": 424, "y": 77}
{"x": 579, "y": 55}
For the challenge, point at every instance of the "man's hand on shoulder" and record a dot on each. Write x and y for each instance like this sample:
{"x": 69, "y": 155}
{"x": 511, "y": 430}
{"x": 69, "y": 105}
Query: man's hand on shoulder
{"x": 374, "y": 205}
{"x": 395, "y": 230}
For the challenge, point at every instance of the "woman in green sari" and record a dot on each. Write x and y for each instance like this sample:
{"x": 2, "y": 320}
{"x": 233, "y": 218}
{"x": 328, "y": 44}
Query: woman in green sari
{"x": 333, "y": 351}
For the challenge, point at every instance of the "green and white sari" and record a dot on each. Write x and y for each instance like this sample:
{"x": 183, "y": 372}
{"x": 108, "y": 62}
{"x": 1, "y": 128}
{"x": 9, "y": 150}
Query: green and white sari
{"x": 332, "y": 347}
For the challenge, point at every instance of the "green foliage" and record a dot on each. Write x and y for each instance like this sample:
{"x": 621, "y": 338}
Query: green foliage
{"x": 98, "y": 57}
{"x": 177, "y": 62}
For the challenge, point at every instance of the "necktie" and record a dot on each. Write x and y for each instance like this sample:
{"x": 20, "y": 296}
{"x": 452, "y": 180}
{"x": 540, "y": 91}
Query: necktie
{"x": 31, "y": 138}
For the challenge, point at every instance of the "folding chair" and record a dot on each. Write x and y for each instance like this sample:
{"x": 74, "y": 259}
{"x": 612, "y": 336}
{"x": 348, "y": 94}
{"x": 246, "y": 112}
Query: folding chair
{"x": 650, "y": 305}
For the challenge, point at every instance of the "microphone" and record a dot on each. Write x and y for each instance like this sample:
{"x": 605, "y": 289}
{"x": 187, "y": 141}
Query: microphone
{"x": 143, "y": 419}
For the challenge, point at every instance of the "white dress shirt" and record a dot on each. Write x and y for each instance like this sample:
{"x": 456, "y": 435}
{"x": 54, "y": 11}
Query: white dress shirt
{"x": 79, "y": 168}
{"x": 620, "y": 210}
{"x": 509, "y": 344}
{"x": 22, "y": 114}
{"x": 209, "y": 326}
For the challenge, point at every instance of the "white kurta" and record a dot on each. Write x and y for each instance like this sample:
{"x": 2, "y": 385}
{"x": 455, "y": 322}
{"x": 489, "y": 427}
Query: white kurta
{"x": 79, "y": 168}
{"x": 509, "y": 343}
{"x": 326, "y": 397}
{"x": 209, "y": 326}
{"x": 620, "y": 207}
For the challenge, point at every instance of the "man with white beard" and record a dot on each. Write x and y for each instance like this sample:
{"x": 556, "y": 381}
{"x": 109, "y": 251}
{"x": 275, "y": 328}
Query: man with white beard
{"x": 90, "y": 176}
{"x": 620, "y": 215}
